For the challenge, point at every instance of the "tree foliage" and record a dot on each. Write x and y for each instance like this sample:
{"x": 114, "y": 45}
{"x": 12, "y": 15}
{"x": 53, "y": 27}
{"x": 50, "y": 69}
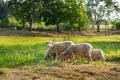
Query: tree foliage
{"x": 59, "y": 11}
{"x": 26, "y": 10}
{"x": 55, "y": 12}
{"x": 76, "y": 14}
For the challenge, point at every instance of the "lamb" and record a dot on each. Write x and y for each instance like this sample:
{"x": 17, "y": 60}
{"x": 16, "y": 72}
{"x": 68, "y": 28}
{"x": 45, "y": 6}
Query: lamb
{"x": 54, "y": 49}
{"x": 76, "y": 51}
{"x": 98, "y": 54}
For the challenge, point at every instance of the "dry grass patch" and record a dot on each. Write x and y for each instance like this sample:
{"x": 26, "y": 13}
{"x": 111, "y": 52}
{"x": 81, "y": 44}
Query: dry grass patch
{"x": 107, "y": 71}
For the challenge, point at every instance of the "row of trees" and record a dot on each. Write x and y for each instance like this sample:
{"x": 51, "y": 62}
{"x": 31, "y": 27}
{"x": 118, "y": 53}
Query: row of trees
{"x": 78, "y": 13}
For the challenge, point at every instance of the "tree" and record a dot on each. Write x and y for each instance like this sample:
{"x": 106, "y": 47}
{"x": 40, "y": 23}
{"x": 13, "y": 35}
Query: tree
{"x": 100, "y": 10}
{"x": 58, "y": 11}
{"x": 76, "y": 14}
{"x": 27, "y": 10}
{"x": 54, "y": 13}
{"x": 4, "y": 11}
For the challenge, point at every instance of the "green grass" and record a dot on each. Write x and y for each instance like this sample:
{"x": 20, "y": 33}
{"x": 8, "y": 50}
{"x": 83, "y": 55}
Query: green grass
{"x": 17, "y": 50}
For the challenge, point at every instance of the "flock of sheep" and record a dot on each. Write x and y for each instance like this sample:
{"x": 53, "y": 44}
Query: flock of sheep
{"x": 67, "y": 50}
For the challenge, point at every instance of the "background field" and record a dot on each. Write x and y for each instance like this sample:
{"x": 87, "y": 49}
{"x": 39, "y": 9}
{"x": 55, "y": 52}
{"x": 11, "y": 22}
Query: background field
{"x": 25, "y": 53}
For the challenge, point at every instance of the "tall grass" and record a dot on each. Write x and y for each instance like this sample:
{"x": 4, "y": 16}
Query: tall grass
{"x": 16, "y": 50}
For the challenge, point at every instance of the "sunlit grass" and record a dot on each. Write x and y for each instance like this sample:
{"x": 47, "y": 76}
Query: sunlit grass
{"x": 19, "y": 50}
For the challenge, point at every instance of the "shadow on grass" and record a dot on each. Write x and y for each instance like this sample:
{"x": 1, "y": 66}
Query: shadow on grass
{"x": 114, "y": 59}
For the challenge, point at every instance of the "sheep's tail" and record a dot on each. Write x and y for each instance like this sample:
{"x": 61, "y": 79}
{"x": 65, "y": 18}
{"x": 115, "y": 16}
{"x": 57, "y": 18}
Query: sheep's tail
{"x": 103, "y": 57}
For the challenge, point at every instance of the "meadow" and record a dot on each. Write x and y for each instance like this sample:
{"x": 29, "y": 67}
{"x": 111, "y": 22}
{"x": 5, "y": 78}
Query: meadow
{"x": 22, "y": 50}
{"x": 22, "y": 58}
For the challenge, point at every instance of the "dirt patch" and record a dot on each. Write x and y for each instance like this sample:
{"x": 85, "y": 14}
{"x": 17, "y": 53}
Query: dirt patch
{"x": 8, "y": 32}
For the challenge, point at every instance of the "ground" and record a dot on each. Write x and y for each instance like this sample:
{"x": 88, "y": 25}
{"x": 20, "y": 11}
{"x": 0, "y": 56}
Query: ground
{"x": 60, "y": 71}
{"x": 63, "y": 71}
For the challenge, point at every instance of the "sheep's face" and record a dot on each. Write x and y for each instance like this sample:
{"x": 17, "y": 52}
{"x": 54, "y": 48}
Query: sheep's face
{"x": 49, "y": 54}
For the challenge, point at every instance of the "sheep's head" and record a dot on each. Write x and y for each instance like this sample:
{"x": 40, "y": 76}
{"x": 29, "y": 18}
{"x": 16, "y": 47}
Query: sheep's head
{"x": 49, "y": 43}
{"x": 49, "y": 54}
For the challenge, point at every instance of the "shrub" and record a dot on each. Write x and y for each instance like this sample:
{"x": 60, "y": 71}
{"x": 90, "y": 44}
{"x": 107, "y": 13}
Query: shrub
{"x": 65, "y": 26}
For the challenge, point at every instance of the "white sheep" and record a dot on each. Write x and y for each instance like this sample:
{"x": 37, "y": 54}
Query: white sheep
{"x": 76, "y": 51}
{"x": 54, "y": 49}
{"x": 98, "y": 54}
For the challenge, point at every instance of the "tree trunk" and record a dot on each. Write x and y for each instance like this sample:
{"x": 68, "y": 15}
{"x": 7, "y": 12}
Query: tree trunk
{"x": 58, "y": 28}
{"x": 98, "y": 26}
{"x": 30, "y": 22}
{"x": 23, "y": 24}
{"x": 78, "y": 28}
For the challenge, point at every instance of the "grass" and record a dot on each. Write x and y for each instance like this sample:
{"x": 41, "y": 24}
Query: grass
{"x": 26, "y": 57}
{"x": 18, "y": 50}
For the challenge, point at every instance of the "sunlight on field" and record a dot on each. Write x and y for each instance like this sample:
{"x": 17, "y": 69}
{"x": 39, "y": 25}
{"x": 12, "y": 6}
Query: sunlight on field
{"x": 16, "y": 40}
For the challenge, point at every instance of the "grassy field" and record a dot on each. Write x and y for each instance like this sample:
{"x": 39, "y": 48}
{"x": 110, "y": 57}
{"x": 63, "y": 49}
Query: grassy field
{"x": 19, "y": 51}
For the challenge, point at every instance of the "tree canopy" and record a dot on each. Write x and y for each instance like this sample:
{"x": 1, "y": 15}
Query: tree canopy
{"x": 76, "y": 13}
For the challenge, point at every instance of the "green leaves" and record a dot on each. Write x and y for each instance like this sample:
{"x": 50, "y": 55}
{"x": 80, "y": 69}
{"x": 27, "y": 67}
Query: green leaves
{"x": 26, "y": 10}
{"x": 60, "y": 11}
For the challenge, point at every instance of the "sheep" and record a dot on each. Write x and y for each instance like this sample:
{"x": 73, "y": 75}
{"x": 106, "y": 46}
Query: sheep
{"x": 54, "y": 49}
{"x": 98, "y": 54}
{"x": 76, "y": 51}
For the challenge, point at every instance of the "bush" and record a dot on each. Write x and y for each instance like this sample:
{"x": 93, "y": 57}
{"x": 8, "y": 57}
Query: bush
{"x": 117, "y": 25}
{"x": 12, "y": 21}
{"x": 45, "y": 28}
{"x": 65, "y": 26}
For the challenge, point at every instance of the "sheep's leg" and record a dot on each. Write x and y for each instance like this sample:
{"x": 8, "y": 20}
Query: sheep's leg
{"x": 56, "y": 57}
{"x": 89, "y": 58}
{"x": 103, "y": 60}
{"x": 73, "y": 57}
{"x": 89, "y": 55}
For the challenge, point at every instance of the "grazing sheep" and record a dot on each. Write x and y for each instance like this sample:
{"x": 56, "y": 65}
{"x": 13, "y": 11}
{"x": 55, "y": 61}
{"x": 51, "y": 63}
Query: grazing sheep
{"x": 76, "y": 51}
{"x": 97, "y": 54}
{"x": 54, "y": 49}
